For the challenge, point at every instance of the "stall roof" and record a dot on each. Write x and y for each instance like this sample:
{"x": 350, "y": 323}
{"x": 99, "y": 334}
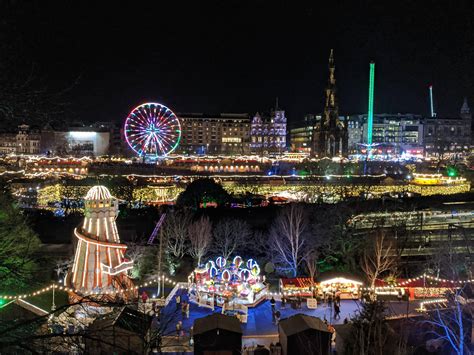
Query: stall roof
{"x": 330, "y": 275}
{"x": 340, "y": 280}
{"x": 217, "y": 321}
{"x": 300, "y": 282}
{"x": 301, "y": 322}
{"x": 418, "y": 282}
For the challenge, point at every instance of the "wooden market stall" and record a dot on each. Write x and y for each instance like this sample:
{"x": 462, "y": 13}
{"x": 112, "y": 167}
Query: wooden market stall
{"x": 297, "y": 286}
{"x": 420, "y": 287}
{"x": 346, "y": 288}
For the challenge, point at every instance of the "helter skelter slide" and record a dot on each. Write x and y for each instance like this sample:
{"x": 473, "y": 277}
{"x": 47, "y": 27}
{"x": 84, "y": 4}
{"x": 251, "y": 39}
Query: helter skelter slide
{"x": 100, "y": 267}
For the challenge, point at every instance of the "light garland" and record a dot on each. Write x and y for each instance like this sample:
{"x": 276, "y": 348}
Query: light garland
{"x": 438, "y": 300}
{"x": 60, "y": 287}
{"x": 427, "y": 277}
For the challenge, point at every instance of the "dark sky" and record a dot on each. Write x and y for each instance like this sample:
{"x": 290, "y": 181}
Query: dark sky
{"x": 237, "y": 56}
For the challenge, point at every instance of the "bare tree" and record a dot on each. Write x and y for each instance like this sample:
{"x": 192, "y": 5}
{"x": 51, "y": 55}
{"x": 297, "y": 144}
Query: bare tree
{"x": 62, "y": 265}
{"x": 289, "y": 244}
{"x": 200, "y": 236}
{"x": 311, "y": 262}
{"x": 378, "y": 257}
{"x": 230, "y": 235}
{"x": 175, "y": 232}
{"x": 450, "y": 322}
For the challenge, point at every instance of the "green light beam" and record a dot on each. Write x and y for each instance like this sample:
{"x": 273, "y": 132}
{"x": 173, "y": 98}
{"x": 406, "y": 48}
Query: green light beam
{"x": 370, "y": 118}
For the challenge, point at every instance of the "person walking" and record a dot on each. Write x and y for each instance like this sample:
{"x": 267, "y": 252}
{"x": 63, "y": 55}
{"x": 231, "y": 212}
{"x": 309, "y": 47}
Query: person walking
{"x": 273, "y": 304}
{"x": 337, "y": 311}
{"x": 277, "y": 317}
{"x": 187, "y": 310}
{"x": 178, "y": 302}
{"x": 144, "y": 297}
{"x": 283, "y": 302}
{"x": 179, "y": 327}
{"x": 183, "y": 309}
{"x": 399, "y": 295}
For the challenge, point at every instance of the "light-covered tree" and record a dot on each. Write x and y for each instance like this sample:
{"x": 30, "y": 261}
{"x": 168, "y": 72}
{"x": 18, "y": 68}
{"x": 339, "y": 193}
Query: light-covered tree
{"x": 289, "y": 242}
{"x": 230, "y": 235}
{"x": 200, "y": 236}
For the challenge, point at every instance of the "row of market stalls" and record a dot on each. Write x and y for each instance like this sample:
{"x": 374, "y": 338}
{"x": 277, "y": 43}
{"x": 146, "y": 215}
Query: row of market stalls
{"x": 421, "y": 287}
{"x": 237, "y": 283}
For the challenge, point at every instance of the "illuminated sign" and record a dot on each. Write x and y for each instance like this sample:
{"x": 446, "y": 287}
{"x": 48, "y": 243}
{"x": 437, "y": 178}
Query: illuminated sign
{"x": 82, "y": 135}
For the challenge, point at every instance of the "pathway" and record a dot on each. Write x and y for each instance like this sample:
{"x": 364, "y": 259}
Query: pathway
{"x": 260, "y": 320}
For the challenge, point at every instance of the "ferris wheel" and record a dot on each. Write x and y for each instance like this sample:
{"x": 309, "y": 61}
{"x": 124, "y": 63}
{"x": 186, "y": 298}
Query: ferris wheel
{"x": 152, "y": 130}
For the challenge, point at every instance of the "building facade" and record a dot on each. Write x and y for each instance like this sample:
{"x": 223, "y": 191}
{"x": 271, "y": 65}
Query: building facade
{"x": 87, "y": 142}
{"x": 394, "y": 133}
{"x": 355, "y": 132}
{"x": 300, "y": 139}
{"x": 28, "y": 140}
{"x": 448, "y": 135}
{"x": 330, "y": 134}
{"x": 268, "y": 134}
{"x": 224, "y": 133}
{"x": 8, "y": 143}
{"x": 25, "y": 141}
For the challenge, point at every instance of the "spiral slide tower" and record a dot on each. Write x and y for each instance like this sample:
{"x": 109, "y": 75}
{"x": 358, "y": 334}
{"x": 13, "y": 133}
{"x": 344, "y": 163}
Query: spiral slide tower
{"x": 99, "y": 265}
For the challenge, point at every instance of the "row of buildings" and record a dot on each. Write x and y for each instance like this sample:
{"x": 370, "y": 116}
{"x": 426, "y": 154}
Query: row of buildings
{"x": 324, "y": 135}
{"x": 235, "y": 134}
{"x": 224, "y": 133}
{"x": 395, "y": 134}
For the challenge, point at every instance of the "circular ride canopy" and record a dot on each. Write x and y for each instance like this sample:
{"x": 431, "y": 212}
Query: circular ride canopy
{"x": 152, "y": 130}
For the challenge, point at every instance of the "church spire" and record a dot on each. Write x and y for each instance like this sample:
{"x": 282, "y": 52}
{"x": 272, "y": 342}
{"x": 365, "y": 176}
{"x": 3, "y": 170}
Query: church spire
{"x": 331, "y": 108}
{"x": 332, "y": 69}
{"x": 329, "y": 137}
{"x": 465, "y": 110}
{"x": 465, "y": 107}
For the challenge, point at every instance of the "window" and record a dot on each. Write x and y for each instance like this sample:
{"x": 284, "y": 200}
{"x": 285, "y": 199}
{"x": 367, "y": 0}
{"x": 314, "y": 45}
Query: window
{"x": 231, "y": 139}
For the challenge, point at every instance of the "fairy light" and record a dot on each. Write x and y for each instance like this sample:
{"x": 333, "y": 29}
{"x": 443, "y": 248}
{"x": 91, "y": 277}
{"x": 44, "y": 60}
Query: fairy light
{"x": 97, "y": 265}
{"x": 108, "y": 256}
{"x": 429, "y": 302}
{"x": 106, "y": 228}
{"x": 85, "y": 265}
{"x": 74, "y": 267}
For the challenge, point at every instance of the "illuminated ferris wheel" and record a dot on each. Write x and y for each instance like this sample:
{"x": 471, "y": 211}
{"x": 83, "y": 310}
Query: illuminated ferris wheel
{"x": 152, "y": 130}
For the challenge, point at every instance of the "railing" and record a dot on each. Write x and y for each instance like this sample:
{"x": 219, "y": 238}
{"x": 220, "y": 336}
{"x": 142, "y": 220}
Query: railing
{"x": 175, "y": 289}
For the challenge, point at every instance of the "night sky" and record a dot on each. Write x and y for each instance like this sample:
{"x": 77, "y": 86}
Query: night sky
{"x": 237, "y": 56}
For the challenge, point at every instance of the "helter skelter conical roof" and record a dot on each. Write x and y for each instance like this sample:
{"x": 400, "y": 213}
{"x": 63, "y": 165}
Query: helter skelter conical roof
{"x": 98, "y": 192}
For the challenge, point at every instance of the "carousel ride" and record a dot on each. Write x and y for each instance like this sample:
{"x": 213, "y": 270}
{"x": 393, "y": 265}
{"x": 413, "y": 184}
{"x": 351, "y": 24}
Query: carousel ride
{"x": 223, "y": 283}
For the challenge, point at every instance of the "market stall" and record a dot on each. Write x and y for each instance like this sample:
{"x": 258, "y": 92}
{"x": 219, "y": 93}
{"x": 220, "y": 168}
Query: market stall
{"x": 226, "y": 282}
{"x": 297, "y": 286}
{"x": 421, "y": 287}
{"x": 345, "y": 288}
{"x": 427, "y": 287}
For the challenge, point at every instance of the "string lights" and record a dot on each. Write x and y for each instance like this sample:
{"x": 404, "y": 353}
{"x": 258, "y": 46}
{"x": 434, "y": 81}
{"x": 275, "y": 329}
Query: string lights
{"x": 435, "y": 301}
{"x": 455, "y": 283}
{"x": 60, "y": 287}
